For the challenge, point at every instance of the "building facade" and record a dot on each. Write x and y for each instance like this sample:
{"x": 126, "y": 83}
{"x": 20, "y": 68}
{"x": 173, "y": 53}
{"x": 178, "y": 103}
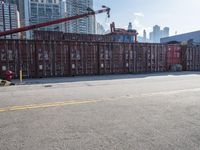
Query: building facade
{"x": 144, "y": 36}
{"x": 156, "y": 34}
{"x": 84, "y": 25}
{"x": 165, "y": 32}
{"x": 38, "y": 11}
{"x": 9, "y": 18}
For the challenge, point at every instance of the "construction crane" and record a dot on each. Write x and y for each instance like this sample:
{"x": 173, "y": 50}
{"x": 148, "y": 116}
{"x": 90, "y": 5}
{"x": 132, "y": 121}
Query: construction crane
{"x": 49, "y": 23}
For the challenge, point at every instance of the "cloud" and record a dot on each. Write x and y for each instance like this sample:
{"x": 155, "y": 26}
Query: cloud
{"x": 138, "y": 14}
{"x": 136, "y": 23}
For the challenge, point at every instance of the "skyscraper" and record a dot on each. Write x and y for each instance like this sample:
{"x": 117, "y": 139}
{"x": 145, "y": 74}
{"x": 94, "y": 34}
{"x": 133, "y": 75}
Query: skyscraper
{"x": 151, "y": 37}
{"x": 38, "y": 11}
{"x": 156, "y": 34}
{"x": 9, "y": 18}
{"x": 144, "y": 36}
{"x": 100, "y": 29}
{"x": 84, "y": 25}
{"x": 166, "y": 32}
{"x": 130, "y": 27}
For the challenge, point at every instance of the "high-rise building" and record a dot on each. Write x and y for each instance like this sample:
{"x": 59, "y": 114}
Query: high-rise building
{"x": 151, "y": 37}
{"x": 100, "y": 29}
{"x": 156, "y": 34}
{"x": 165, "y": 32}
{"x": 144, "y": 36}
{"x": 38, "y": 11}
{"x": 9, "y": 18}
{"x": 130, "y": 27}
{"x": 83, "y": 25}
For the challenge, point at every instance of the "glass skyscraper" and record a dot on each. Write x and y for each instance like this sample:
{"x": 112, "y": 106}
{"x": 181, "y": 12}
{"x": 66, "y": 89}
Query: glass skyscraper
{"x": 9, "y": 18}
{"x": 38, "y": 11}
{"x": 84, "y": 25}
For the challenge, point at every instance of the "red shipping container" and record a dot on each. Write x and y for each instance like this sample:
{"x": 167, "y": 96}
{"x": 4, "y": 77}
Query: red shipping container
{"x": 173, "y": 55}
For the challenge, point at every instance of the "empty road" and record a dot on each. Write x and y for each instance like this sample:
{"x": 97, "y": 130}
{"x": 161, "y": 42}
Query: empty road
{"x": 115, "y": 112}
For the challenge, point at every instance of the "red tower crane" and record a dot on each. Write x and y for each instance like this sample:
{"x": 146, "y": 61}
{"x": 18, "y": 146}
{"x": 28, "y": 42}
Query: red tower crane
{"x": 40, "y": 25}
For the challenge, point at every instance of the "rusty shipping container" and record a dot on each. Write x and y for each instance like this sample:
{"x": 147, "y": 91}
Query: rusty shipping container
{"x": 50, "y": 58}
{"x": 105, "y": 58}
{"x": 47, "y": 35}
{"x": 84, "y": 58}
{"x": 191, "y": 58}
{"x": 140, "y": 58}
{"x": 26, "y": 58}
{"x": 173, "y": 55}
{"x": 18, "y": 55}
{"x": 8, "y": 57}
{"x": 156, "y": 58}
{"x": 129, "y": 60}
{"x": 44, "y": 59}
{"x": 91, "y": 58}
{"x": 118, "y": 58}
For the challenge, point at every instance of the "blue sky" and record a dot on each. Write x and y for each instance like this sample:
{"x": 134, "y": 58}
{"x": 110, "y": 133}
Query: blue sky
{"x": 180, "y": 15}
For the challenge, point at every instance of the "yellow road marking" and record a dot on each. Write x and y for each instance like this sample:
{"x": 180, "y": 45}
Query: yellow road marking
{"x": 64, "y": 103}
{"x": 46, "y": 105}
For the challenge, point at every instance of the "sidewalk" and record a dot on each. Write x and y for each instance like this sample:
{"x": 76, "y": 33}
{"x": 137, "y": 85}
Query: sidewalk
{"x": 54, "y": 80}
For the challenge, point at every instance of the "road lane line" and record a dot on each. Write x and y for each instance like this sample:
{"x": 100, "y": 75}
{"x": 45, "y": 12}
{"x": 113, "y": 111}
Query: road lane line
{"x": 46, "y": 105}
{"x": 64, "y": 103}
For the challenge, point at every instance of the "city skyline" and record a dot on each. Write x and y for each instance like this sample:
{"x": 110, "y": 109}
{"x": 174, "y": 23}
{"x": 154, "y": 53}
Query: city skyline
{"x": 141, "y": 21}
{"x": 144, "y": 14}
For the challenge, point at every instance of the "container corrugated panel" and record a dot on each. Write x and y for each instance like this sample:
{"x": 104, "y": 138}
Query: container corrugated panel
{"x": 173, "y": 55}
{"x": 162, "y": 58}
{"x": 155, "y": 51}
{"x": 149, "y": 57}
{"x": 58, "y": 54}
{"x": 47, "y": 35}
{"x": 134, "y": 58}
{"x": 77, "y": 64}
{"x": 155, "y": 57}
{"x": 197, "y": 62}
{"x": 105, "y": 58}
{"x": 197, "y": 58}
{"x": 191, "y": 57}
{"x": 184, "y": 57}
{"x": 128, "y": 58}
{"x": 44, "y": 59}
{"x": 8, "y": 57}
{"x": 141, "y": 60}
{"x": 66, "y": 58}
{"x": 118, "y": 62}
{"x": 91, "y": 58}
{"x": 26, "y": 56}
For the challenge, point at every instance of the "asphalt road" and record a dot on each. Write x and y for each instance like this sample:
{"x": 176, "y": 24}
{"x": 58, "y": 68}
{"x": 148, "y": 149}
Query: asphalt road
{"x": 122, "y": 112}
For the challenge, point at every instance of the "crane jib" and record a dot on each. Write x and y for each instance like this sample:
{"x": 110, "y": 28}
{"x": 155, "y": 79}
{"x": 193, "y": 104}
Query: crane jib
{"x": 40, "y": 25}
